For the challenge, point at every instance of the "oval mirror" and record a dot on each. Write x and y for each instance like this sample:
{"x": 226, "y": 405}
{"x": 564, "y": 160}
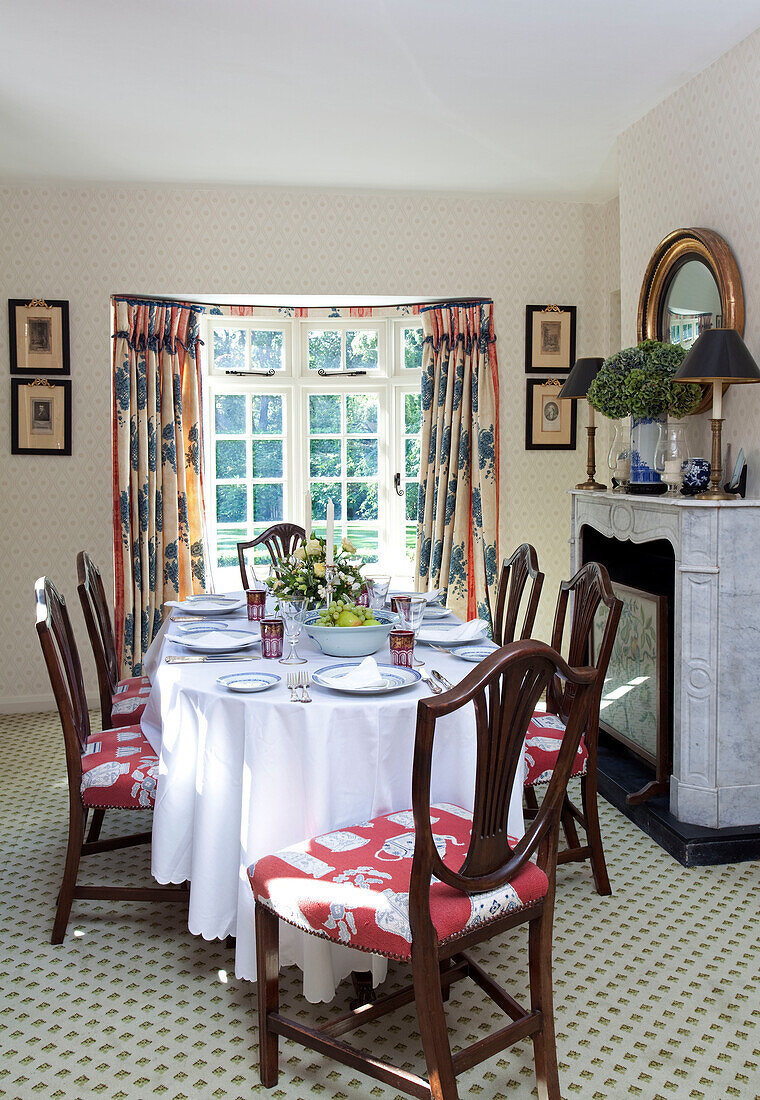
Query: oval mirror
{"x": 691, "y": 304}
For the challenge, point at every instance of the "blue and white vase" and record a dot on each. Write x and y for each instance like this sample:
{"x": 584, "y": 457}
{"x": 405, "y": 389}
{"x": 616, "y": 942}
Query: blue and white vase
{"x": 646, "y": 433}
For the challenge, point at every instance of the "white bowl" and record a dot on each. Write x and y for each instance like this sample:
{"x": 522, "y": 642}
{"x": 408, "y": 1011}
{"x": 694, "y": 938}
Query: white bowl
{"x": 350, "y": 641}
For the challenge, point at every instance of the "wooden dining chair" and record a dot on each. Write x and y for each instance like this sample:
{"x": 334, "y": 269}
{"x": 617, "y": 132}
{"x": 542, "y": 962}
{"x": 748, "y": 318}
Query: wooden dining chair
{"x": 281, "y": 539}
{"x": 386, "y": 886}
{"x": 515, "y": 573}
{"x": 590, "y": 587}
{"x": 115, "y": 769}
{"x": 122, "y": 701}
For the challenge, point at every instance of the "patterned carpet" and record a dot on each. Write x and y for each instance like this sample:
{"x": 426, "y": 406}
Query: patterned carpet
{"x": 657, "y": 987}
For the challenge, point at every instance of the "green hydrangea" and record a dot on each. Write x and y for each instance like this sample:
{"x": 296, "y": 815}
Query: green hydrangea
{"x": 638, "y": 382}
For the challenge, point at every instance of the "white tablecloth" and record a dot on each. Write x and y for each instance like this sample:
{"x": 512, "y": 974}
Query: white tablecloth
{"x": 244, "y": 775}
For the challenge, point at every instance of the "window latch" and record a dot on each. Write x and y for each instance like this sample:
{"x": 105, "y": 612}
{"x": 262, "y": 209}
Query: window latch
{"x": 397, "y": 484}
{"x": 339, "y": 373}
{"x": 255, "y": 373}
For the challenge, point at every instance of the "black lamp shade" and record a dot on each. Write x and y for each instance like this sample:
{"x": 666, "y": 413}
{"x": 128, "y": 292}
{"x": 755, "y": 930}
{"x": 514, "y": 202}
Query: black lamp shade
{"x": 580, "y": 377}
{"x": 719, "y": 355}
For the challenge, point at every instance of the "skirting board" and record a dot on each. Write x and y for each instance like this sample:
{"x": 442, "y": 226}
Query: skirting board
{"x": 620, "y": 773}
{"x": 27, "y": 704}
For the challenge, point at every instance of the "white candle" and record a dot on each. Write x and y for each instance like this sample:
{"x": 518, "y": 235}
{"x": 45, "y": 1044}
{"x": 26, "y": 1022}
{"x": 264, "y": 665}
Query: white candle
{"x": 329, "y": 553}
{"x": 590, "y": 414}
{"x": 307, "y": 506}
{"x": 717, "y": 413}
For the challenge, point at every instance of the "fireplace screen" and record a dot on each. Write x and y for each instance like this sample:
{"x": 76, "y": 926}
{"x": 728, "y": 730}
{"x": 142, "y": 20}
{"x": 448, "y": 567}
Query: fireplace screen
{"x": 634, "y": 706}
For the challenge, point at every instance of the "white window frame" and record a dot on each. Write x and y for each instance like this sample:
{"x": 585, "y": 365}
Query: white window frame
{"x": 391, "y": 381}
{"x": 248, "y": 325}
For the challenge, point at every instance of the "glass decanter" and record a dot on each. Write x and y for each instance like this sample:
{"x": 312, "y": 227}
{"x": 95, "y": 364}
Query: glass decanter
{"x": 673, "y": 451}
{"x": 619, "y": 457}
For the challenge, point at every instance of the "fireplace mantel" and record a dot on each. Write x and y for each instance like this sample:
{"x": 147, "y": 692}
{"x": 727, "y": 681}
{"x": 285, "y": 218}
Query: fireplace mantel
{"x": 716, "y": 617}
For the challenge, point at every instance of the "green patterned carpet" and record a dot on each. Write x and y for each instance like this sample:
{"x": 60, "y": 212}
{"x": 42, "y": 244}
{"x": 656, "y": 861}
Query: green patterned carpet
{"x": 657, "y": 987}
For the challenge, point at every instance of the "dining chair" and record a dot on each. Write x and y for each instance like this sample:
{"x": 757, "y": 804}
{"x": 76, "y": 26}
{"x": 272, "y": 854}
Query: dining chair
{"x": 281, "y": 539}
{"x": 515, "y": 572}
{"x": 589, "y": 588}
{"x": 384, "y": 886}
{"x": 115, "y": 769}
{"x": 122, "y": 702}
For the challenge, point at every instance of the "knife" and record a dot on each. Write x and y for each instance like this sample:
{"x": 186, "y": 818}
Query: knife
{"x": 182, "y": 660}
{"x": 435, "y": 688}
{"x": 442, "y": 680}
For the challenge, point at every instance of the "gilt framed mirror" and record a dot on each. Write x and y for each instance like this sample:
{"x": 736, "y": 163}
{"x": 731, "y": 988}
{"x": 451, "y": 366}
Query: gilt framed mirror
{"x": 691, "y": 284}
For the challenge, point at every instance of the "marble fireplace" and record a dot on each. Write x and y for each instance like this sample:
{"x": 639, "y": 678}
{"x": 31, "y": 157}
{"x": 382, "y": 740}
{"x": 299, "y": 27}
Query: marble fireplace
{"x": 712, "y": 580}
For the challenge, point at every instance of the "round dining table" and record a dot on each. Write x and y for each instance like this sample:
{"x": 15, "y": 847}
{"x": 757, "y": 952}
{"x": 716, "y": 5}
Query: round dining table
{"x": 243, "y": 775}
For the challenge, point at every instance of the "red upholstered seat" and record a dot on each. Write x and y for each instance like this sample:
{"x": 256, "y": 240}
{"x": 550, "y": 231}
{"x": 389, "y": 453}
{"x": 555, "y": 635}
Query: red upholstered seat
{"x": 129, "y": 701}
{"x": 352, "y": 885}
{"x": 119, "y": 770}
{"x": 542, "y": 744}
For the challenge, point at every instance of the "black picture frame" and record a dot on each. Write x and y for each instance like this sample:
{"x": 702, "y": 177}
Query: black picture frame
{"x": 60, "y": 362}
{"x": 19, "y": 435}
{"x": 566, "y": 438}
{"x": 535, "y": 362}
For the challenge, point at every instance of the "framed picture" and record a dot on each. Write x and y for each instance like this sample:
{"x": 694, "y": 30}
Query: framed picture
{"x": 40, "y": 417}
{"x": 550, "y": 423}
{"x": 39, "y": 336}
{"x": 549, "y": 339}
{"x": 634, "y": 706}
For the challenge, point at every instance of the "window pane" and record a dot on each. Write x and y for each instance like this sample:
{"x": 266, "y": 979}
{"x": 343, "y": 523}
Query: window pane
{"x": 267, "y": 350}
{"x": 361, "y": 413}
{"x": 267, "y": 458}
{"x": 266, "y": 414}
{"x": 412, "y": 414}
{"x": 231, "y": 504}
{"x": 229, "y": 416}
{"x": 361, "y": 350}
{"x": 321, "y": 492}
{"x": 324, "y": 350}
{"x": 412, "y": 447}
{"x": 324, "y": 460}
{"x": 230, "y": 458}
{"x": 267, "y": 502}
{"x": 361, "y": 500}
{"x": 413, "y": 341}
{"x": 324, "y": 413}
{"x": 411, "y": 541}
{"x": 227, "y": 539}
{"x": 362, "y": 457}
{"x": 412, "y": 492}
{"x": 365, "y": 539}
{"x": 229, "y": 349}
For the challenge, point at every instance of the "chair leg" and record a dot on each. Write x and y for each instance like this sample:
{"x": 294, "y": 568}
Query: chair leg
{"x": 544, "y": 1044}
{"x": 73, "y": 855}
{"x": 268, "y": 984}
{"x": 530, "y": 798}
{"x": 96, "y": 824}
{"x": 568, "y": 825}
{"x": 593, "y": 832}
{"x": 431, "y": 1020}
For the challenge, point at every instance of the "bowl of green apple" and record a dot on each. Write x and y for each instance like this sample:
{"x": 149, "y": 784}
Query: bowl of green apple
{"x": 346, "y": 630}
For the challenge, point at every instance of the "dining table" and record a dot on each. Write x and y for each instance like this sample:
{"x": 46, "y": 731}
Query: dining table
{"x": 243, "y": 775}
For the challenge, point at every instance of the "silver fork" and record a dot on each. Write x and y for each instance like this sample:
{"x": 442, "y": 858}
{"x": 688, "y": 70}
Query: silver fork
{"x": 292, "y": 682}
{"x": 304, "y": 682}
{"x": 440, "y": 648}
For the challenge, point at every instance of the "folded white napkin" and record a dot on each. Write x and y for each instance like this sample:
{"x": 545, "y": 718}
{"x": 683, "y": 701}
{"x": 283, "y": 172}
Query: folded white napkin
{"x": 365, "y": 675}
{"x": 453, "y": 635}
{"x": 431, "y": 597}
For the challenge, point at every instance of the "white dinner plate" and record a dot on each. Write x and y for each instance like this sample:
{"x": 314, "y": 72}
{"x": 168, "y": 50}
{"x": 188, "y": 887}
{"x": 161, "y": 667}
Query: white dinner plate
{"x": 210, "y": 605}
{"x": 395, "y": 678}
{"x": 190, "y": 626}
{"x": 433, "y": 613}
{"x": 432, "y": 598}
{"x": 474, "y": 653}
{"x": 217, "y": 641}
{"x": 249, "y": 681}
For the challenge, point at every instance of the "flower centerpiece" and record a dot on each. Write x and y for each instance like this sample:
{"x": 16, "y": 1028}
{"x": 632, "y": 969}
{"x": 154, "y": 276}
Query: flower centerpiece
{"x": 638, "y": 382}
{"x": 302, "y": 575}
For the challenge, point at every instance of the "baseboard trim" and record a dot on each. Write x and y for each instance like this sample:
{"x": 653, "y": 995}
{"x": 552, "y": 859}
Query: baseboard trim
{"x": 27, "y": 704}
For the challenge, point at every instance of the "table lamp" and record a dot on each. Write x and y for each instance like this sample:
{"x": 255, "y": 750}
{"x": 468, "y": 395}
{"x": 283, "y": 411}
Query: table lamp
{"x": 720, "y": 357}
{"x": 577, "y": 385}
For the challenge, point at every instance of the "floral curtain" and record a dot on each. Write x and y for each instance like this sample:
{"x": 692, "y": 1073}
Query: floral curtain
{"x": 158, "y": 494}
{"x": 458, "y": 503}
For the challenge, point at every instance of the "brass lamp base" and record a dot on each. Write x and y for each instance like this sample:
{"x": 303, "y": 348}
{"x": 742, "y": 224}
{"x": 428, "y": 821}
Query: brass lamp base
{"x": 715, "y": 491}
{"x": 592, "y": 486}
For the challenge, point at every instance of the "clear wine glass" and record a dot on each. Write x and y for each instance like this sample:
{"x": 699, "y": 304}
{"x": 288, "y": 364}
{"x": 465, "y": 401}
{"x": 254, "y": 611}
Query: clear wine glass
{"x": 411, "y": 615}
{"x": 377, "y": 586}
{"x": 293, "y": 614}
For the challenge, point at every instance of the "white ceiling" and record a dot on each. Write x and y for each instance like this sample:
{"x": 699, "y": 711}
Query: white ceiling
{"x": 491, "y": 95}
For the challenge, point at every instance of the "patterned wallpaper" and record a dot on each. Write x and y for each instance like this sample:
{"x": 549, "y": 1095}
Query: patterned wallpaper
{"x": 695, "y": 161}
{"x": 83, "y": 244}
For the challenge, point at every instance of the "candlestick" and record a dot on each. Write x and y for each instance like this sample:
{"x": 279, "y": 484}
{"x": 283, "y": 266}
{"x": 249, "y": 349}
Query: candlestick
{"x": 717, "y": 388}
{"x": 329, "y": 550}
{"x": 330, "y": 572}
{"x": 307, "y": 503}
